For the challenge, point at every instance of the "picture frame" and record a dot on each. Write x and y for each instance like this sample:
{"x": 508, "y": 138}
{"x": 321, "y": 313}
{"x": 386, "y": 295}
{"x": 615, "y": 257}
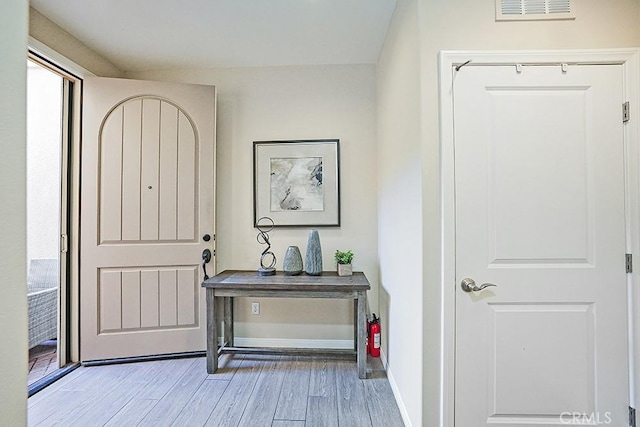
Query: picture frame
{"x": 296, "y": 183}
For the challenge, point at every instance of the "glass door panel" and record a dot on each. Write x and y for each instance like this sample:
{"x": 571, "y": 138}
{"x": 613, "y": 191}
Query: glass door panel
{"x": 44, "y": 202}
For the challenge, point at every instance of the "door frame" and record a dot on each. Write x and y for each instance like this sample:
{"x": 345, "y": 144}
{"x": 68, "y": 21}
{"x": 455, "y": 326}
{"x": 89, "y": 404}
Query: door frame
{"x": 630, "y": 61}
{"x": 69, "y": 302}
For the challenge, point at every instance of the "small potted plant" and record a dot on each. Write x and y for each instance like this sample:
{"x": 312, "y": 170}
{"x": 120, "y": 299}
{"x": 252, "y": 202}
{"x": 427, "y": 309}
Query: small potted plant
{"x": 343, "y": 259}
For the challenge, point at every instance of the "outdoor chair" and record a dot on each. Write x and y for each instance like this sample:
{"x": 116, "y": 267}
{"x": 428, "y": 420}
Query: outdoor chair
{"x": 42, "y": 296}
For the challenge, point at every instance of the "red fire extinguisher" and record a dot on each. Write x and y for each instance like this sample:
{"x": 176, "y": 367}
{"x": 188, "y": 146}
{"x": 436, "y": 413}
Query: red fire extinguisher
{"x": 374, "y": 336}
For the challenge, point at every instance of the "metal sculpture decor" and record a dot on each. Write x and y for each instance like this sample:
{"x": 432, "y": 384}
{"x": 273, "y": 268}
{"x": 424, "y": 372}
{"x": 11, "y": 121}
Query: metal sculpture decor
{"x": 265, "y": 225}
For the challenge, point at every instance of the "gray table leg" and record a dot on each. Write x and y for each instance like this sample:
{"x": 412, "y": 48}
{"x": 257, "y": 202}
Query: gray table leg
{"x": 355, "y": 325}
{"x": 362, "y": 326}
{"x": 228, "y": 321}
{"x": 212, "y": 332}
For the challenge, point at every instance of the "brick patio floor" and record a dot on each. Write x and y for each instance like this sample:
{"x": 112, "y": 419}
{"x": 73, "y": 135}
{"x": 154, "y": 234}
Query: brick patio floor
{"x": 42, "y": 360}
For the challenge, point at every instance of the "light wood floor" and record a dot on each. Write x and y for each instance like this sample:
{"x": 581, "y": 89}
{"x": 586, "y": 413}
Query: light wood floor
{"x": 249, "y": 390}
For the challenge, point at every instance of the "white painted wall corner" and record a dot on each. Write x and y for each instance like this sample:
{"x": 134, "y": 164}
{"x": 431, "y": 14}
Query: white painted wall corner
{"x": 396, "y": 391}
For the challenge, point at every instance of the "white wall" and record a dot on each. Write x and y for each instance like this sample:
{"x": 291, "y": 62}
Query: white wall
{"x": 400, "y": 207}
{"x": 463, "y": 25}
{"x": 13, "y": 304}
{"x": 283, "y": 103}
{"x": 408, "y": 127}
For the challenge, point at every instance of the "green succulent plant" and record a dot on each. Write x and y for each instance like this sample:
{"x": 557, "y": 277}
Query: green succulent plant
{"x": 344, "y": 257}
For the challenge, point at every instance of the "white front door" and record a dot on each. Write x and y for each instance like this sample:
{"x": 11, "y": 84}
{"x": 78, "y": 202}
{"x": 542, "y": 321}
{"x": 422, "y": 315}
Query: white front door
{"x": 147, "y": 204}
{"x": 539, "y": 199}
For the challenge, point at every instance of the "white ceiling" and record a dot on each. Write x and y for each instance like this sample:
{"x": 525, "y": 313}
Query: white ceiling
{"x": 139, "y": 35}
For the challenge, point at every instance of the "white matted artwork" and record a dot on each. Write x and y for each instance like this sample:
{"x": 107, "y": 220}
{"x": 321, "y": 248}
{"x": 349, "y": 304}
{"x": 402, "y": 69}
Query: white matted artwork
{"x": 296, "y": 183}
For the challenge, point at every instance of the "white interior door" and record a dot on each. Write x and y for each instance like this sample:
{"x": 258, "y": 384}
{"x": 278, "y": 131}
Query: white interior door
{"x": 147, "y": 203}
{"x": 539, "y": 182}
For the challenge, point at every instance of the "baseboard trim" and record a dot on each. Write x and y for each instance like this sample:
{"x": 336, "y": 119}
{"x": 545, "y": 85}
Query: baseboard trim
{"x": 396, "y": 392}
{"x": 333, "y": 353}
{"x": 292, "y": 343}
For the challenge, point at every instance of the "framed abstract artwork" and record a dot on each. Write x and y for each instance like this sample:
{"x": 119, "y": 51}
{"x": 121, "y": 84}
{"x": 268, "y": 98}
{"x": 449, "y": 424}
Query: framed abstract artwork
{"x": 297, "y": 183}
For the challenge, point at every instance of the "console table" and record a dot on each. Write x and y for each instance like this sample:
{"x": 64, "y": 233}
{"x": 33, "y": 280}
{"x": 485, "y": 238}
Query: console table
{"x": 234, "y": 283}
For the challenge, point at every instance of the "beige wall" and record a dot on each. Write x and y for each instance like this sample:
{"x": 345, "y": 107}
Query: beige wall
{"x": 470, "y": 25}
{"x": 50, "y": 34}
{"x": 400, "y": 207}
{"x": 293, "y": 103}
{"x": 278, "y": 103}
{"x": 390, "y": 199}
{"x": 13, "y": 303}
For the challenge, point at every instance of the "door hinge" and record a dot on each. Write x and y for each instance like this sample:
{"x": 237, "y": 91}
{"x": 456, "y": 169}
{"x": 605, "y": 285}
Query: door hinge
{"x": 64, "y": 245}
{"x": 628, "y": 263}
{"x": 632, "y": 417}
{"x": 625, "y": 112}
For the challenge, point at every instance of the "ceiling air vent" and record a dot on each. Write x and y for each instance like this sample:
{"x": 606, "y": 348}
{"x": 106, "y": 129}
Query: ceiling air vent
{"x": 518, "y": 10}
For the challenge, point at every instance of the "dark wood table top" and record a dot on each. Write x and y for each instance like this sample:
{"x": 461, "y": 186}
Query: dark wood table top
{"x": 328, "y": 281}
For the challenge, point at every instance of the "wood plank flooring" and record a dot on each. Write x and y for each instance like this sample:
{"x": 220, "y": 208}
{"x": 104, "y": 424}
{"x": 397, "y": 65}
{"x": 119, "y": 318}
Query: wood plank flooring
{"x": 247, "y": 390}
